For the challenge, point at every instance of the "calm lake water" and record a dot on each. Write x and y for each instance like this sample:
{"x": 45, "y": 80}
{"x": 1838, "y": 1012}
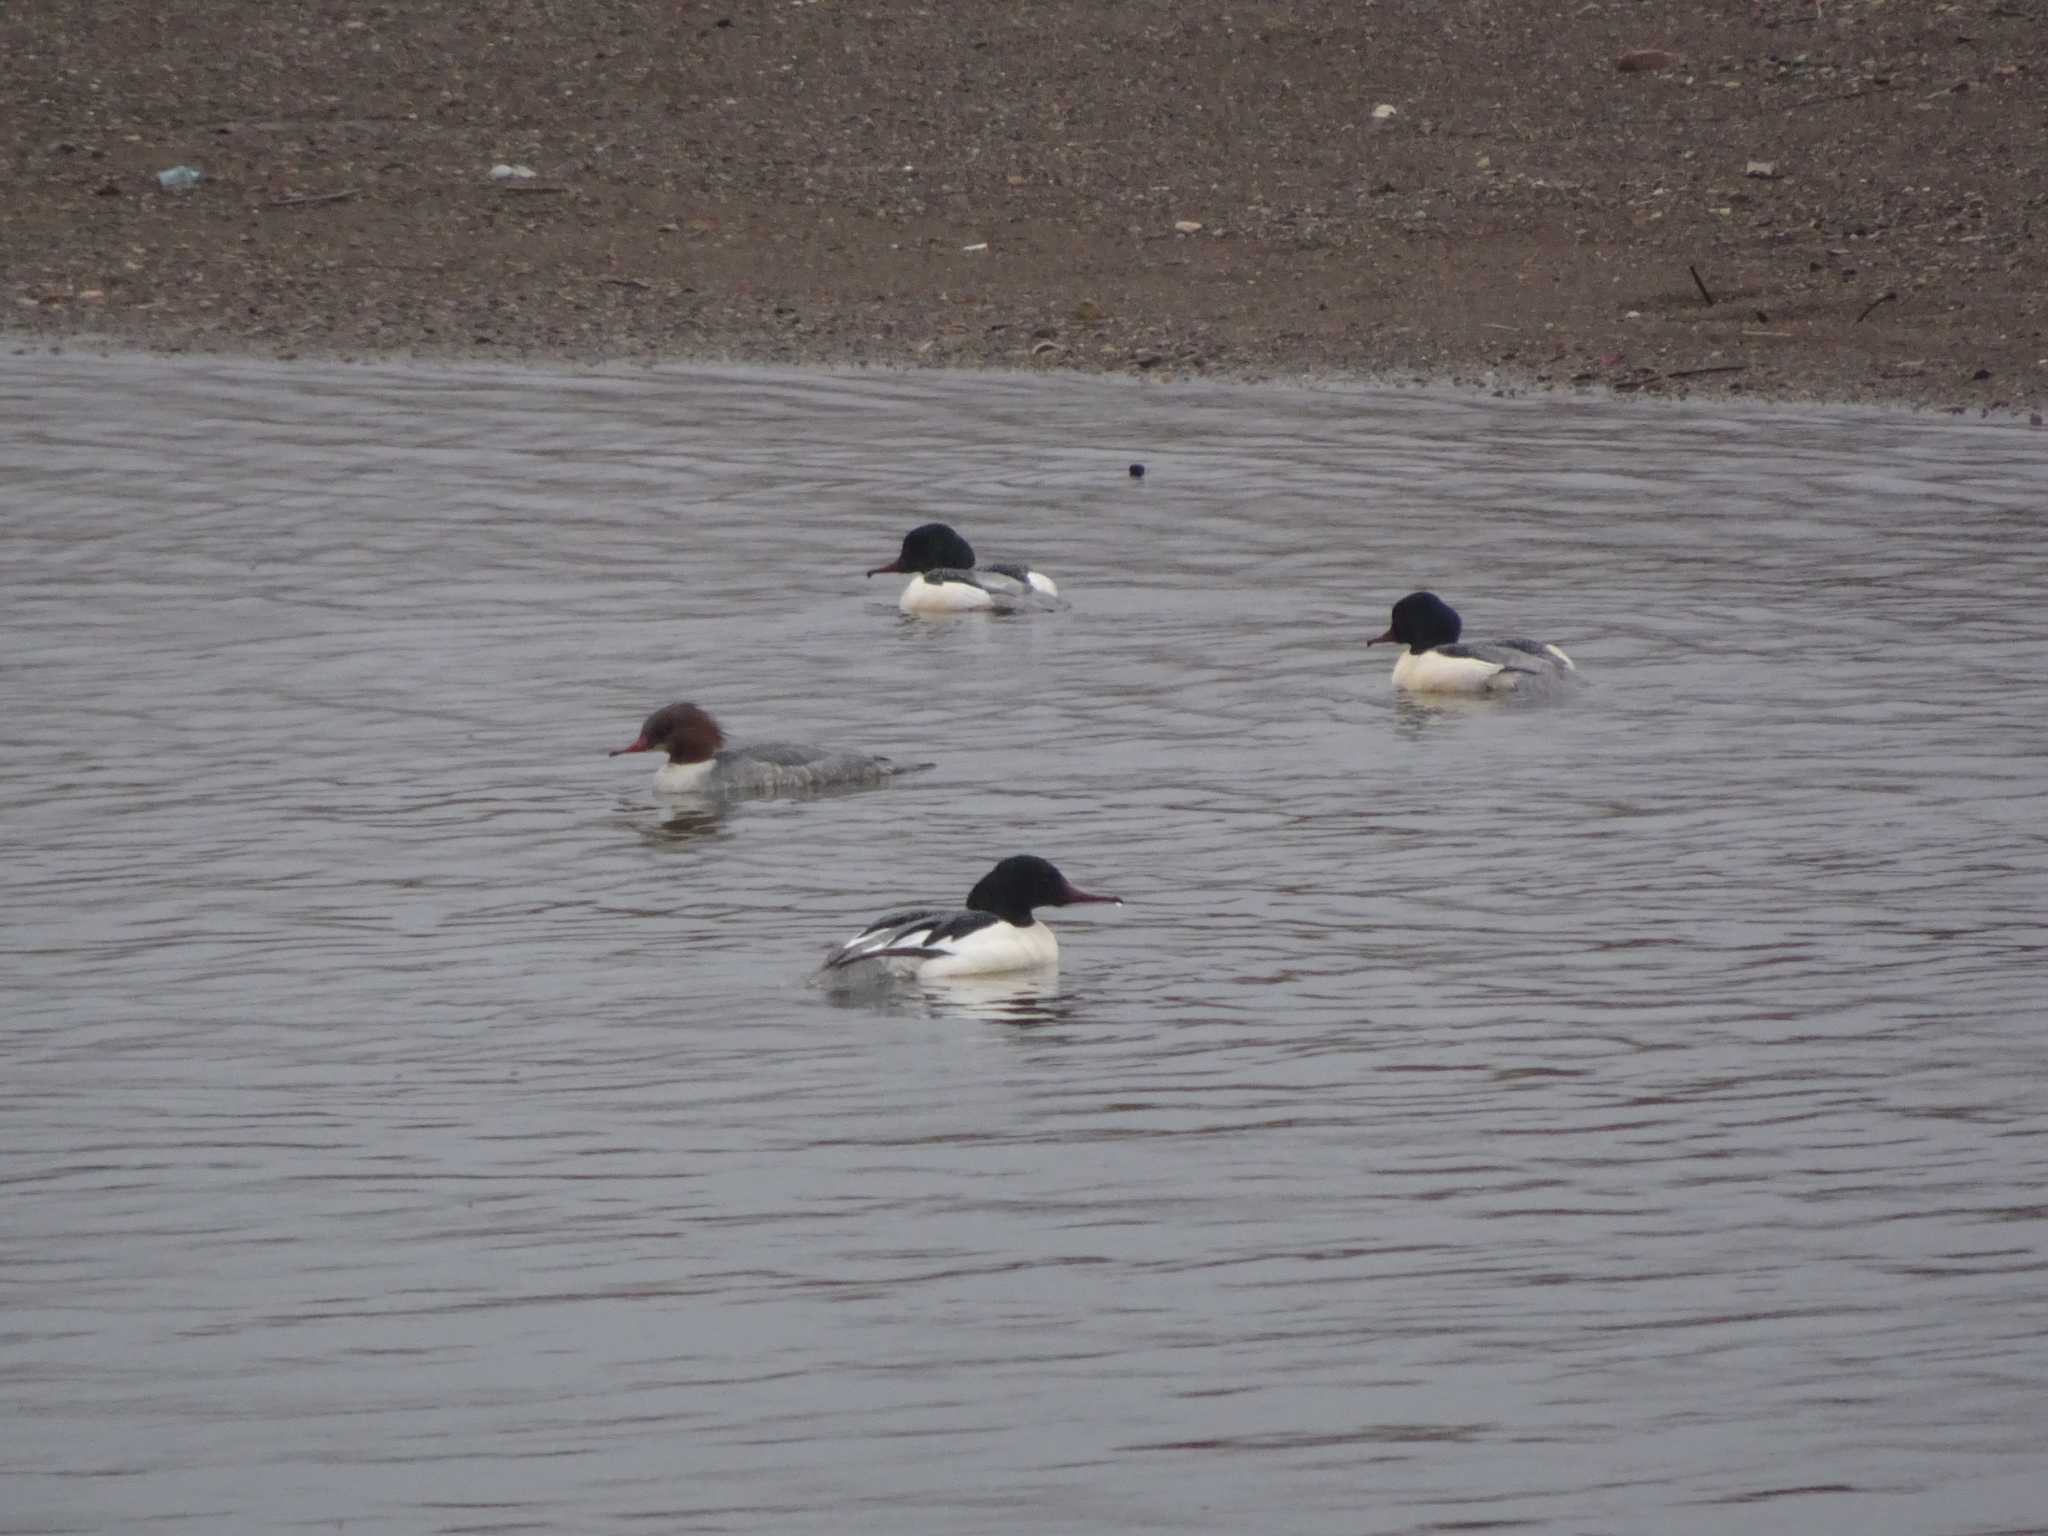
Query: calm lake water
{"x": 1624, "y": 1116}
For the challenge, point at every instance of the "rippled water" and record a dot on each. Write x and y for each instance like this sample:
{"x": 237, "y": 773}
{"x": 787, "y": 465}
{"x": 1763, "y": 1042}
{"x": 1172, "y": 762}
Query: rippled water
{"x": 1618, "y": 1117}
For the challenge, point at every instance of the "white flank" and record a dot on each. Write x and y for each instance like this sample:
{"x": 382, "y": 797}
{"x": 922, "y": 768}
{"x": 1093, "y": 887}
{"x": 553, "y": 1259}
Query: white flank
{"x": 930, "y": 597}
{"x": 998, "y": 947}
{"x": 683, "y": 778}
{"x": 1569, "y": 664}
{"x": 988, "y": 951}
{"x": 1434, "y": 672}
{"x": 1043, "y": 583}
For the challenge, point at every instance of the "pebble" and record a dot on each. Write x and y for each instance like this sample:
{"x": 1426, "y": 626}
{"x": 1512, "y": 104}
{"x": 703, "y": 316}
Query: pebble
{"x": 1642, "y": 60}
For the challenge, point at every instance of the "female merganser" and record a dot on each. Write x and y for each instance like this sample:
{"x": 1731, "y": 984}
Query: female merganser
{"x": 1435, "y": 663}
{"x": 945, "y": 579}
{"x": 697, "y": 766}
{"x": 995, "y": 932}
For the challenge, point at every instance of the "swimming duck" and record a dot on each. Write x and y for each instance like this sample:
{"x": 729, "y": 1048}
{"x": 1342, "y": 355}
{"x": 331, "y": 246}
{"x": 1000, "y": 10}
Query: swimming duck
{"x": 995, "y": 932}
{"x": 945, "y": 579}
{"x": 1436, "y": 663}
{"x": 699, "y": 762}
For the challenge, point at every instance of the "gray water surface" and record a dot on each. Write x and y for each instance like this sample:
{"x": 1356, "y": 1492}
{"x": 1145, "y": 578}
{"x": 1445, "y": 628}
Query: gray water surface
{"x": 1622, "y": 1116}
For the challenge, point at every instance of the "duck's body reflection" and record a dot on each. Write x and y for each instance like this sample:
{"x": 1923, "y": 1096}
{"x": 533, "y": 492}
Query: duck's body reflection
{"x": 689, "y": 817}
{"x": 1023, "y": 998}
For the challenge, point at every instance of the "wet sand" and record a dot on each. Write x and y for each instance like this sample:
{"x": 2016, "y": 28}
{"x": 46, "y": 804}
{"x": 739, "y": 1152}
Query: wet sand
{"x": 1842, "y": 201}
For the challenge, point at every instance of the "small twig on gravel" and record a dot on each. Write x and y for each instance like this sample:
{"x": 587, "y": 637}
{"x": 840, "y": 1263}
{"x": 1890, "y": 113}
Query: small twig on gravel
{"x": 527, "y": 188}
{"x": 1767, "y": 333}
{"x": 627, "y": 282}
{"x": 1679, "y": 373}
{"x": 1807, "y": 101}
{"x": 1697, "y": 283}
{"x": 307, "y": 201}
{"x": 1883, "y": 298}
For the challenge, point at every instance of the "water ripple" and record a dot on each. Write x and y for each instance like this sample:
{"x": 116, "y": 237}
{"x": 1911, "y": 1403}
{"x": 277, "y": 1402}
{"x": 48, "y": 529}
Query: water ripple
{"x": 1614, "y": 1116}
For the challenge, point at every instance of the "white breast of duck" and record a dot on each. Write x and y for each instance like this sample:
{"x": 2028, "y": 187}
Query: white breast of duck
{"x": 995, "y": 933}
{"x": 1435, "y": 661}
{"x": 673, "y": 778}
{"x": 946, "y": 579}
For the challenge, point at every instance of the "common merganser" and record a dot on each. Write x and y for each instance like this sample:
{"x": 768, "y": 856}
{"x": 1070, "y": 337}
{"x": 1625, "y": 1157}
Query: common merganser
{"x": 995, "y": 931}
{"x": 697, "y": 766}
{"x": 1435, "y": 663}
{"x": 945, "y": 578}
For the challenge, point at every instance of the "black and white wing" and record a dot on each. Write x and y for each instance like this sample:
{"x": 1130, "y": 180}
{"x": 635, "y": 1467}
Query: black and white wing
{"x": 1009, "y": 587}
{"x": 1546, "y": 656}
{"x": 903, "y": 940}
{"x": 1531, "y": 658}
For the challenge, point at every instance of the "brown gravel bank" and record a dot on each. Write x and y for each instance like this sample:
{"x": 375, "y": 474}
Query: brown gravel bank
{"x": 1860, "y": 185}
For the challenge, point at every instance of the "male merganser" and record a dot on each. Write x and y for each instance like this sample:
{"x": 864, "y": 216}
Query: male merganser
{"x": 1435, "y": 663}
{"x": 945, "y": 578}
{"x": 995, "y": 932}
{"x": 697, "y": 766}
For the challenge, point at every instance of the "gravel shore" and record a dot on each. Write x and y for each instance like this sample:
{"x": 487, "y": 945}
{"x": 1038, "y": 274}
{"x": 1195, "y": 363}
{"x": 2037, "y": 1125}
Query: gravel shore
{"x": 1788, "y": 200}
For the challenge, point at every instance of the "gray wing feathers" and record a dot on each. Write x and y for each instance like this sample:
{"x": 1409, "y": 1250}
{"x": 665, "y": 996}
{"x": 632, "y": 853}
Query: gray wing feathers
{"x": 1527, "y": 656}
{"x": 791, "y": 767}
{"x": 782, "y": 754}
